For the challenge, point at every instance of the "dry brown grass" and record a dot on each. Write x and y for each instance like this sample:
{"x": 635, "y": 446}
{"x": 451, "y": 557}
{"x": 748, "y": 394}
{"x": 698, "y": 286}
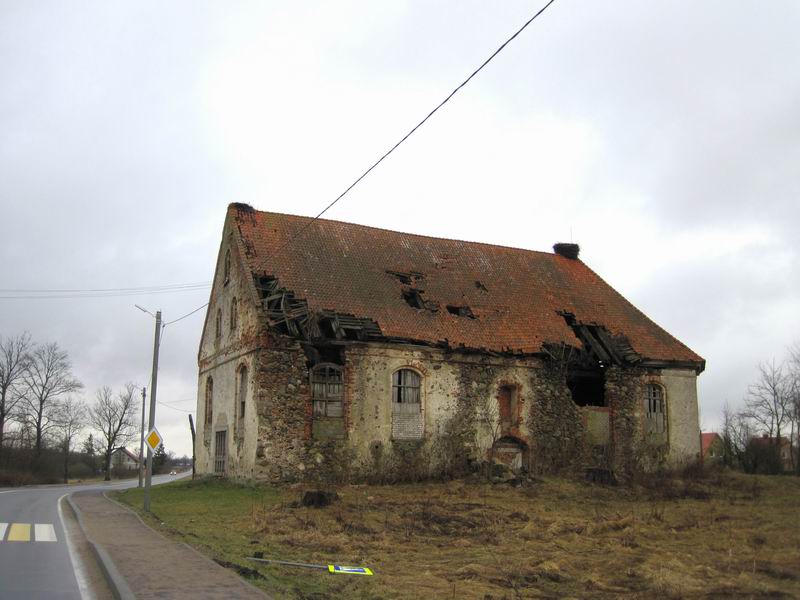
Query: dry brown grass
{"x": 728, "y": 536}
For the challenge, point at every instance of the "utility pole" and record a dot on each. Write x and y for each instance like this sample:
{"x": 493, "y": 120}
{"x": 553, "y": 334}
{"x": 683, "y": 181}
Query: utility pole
{"x": 152, "y": 420}
{"x": 141, "y": 440}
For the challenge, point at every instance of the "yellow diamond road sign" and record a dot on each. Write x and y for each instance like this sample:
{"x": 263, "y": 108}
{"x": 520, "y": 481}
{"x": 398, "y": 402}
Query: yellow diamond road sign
{"x": 153, "y": 439}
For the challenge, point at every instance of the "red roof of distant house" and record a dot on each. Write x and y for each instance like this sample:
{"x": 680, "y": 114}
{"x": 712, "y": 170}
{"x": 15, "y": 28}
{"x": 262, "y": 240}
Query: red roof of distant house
{"x": 765, "y": 440}
{"x": 707, "y": 439}
{"x": 516, "y": 296}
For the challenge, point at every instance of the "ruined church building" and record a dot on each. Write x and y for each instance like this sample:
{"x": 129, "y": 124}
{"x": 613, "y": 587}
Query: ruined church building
{"x": 327, "y": 342}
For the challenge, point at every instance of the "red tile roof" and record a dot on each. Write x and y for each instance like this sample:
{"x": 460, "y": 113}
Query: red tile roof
{"x": 706, "y": 440}
{"x": 516, "y": 295}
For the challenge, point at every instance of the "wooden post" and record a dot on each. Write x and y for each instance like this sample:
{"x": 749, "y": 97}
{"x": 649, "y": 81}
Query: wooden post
{"x": 191, "y": 426}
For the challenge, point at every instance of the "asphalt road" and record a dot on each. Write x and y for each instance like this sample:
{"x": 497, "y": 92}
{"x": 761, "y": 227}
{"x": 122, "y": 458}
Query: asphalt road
{"x": 35, "y": 559}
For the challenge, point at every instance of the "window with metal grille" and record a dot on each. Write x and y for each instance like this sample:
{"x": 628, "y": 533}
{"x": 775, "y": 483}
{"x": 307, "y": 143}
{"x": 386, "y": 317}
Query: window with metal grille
{"x": 327, "y": 389}
{"x": 220, "y": 452}
{"x": 655, "y": 409}
{"x": 406, "y": 391}
{"x": 242, "y": 391}
{"x": 209, "y": 400}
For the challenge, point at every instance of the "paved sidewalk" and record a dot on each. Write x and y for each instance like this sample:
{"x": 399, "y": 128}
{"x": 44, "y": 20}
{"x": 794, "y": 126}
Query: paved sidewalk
{"x": 152, "y": 565}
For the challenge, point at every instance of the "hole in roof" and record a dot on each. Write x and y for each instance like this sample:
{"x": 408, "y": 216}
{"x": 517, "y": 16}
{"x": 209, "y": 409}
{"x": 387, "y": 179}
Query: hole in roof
{"x": 460, "y": 311}
{"x": 409, "y": 278}
{"x": 480, "y": 286}
{"x": 413, "y": 298}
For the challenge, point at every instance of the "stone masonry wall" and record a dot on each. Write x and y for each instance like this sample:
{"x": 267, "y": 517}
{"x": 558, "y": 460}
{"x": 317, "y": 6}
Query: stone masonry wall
{"x": 558, "y": 431}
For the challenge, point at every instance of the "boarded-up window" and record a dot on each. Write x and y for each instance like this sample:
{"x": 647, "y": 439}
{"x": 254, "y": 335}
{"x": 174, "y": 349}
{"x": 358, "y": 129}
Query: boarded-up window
{"x": 655, "y": 409}
{"x": 327, "y": 390}
{"x": 406, "y": 391}
{"x": 220, "y": 452}
{"x": 507, "y": 405}
{"x": 209, "y": 400}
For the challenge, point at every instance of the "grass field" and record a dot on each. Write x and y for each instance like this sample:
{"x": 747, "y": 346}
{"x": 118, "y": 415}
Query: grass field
{"x": 721, "y": 535}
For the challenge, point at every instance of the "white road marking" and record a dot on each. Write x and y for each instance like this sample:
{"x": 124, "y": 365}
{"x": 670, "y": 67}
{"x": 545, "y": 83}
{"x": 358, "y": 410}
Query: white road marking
{"x": 3, "y": 527}
{"x": 44, "y": 532}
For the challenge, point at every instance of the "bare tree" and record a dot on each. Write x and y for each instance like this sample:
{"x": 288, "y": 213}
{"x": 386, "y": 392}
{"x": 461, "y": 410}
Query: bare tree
{"x": 71, "y": 421}
{"x": 794, "y": 405}
{"x": 113, "y": 417}
{"x": 488, "y": 418}
{"x": 48, "y": 378}
{"x": 737, "y": 430}
{"x": 768, "y": 399}
{"x": 13, "y": 362}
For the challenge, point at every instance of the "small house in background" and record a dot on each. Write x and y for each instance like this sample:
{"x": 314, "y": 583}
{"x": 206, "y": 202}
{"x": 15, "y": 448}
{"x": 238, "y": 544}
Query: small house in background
{"x": 123, "y": 460}
{"x": 771, "y": 454}
{"x": 712, "y": 447}
{"x": 331, "y": 348}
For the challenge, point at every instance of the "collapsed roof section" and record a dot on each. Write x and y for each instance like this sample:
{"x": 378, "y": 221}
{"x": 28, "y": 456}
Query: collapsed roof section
{"x": 321, "y": 279}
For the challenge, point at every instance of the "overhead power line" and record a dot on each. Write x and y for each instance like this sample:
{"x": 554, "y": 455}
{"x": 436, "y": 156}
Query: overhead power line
{"x": 129, "y": 289}
{"x": 417, "y": 126}
{"x": 173, "y": 407}
{"x": 50, "y": 294}
{"x": 189, "y": 314}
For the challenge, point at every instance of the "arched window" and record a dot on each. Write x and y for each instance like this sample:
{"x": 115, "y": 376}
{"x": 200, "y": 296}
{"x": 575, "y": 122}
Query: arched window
{"x": 227, "y": 268}
{"x": 209, "y": 400}
{"x": 406, "y": 396}
{"x": 655, "y": 407}
{"x": 242, "y": 391}
{"x": 218, "y": 332}
{"x": 234, "y": 314}
{"x": 327, "y": 390}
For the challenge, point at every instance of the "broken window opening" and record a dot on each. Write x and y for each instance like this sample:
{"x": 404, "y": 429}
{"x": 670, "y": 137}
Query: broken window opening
{"x": 327, "y": 390}
{"x": 227, "y": 271}
{"x": 406, "y": 391}
{"x": 218, "y": 324}
{"x": 460, "y": 311}
{"x": 234, "y": 314}
{"x": 655, "y": 409}
{"x": 242, "y": 391}
{"x": 587, "y": 388}
{"x": 413, "y": 298}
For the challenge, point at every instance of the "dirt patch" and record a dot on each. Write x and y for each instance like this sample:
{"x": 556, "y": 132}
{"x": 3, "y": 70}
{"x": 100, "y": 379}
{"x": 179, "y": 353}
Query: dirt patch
{"x": 240, "y": 569}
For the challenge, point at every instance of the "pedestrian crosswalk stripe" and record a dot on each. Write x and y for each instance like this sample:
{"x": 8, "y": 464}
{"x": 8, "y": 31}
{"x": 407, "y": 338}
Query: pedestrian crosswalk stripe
{"x": 44, "y": 532}
{"x": 19, "y": 532}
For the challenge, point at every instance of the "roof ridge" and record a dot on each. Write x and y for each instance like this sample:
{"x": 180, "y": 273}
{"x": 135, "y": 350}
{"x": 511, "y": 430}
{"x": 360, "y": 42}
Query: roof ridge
{"x": 234, "y": 206}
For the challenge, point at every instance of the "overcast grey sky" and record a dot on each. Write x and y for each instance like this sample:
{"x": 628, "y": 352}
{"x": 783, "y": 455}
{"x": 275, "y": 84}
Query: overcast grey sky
{"x": 663, "y": 136}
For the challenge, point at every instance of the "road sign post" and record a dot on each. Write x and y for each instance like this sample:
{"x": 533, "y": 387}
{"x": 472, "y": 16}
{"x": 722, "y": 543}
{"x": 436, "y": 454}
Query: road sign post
{"x": 152, "y": 420}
